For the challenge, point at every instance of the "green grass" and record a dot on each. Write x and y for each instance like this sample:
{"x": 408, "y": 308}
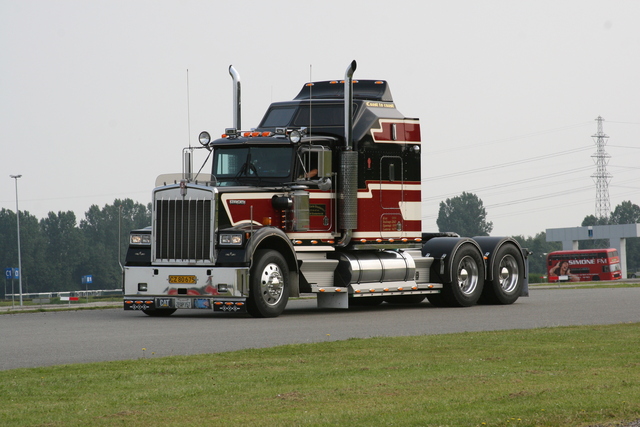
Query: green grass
{"x": 565, "y": 376}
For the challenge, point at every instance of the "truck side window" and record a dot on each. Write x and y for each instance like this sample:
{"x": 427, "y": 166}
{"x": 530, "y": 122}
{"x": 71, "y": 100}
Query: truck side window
{"x": 308, "y": 165}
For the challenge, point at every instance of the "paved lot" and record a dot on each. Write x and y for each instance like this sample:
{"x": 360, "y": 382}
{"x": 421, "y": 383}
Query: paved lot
{"x": 53, "y": 338}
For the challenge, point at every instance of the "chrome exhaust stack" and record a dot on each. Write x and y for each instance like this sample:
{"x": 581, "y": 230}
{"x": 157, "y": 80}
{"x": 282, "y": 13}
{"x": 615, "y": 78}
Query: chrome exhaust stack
{"x": 236, "y": 97}
{"x": 348, "y": 165}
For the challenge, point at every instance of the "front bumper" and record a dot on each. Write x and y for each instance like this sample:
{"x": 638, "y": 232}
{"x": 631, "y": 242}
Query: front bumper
{"x": 167, "y": 287}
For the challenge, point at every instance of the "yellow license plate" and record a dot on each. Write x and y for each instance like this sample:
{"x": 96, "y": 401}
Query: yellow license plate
{"x": 183, "y": 279}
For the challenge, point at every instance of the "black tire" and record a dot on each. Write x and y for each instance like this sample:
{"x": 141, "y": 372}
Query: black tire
{"x": 465, "y": 287}
{"x": 159, "y": 312}
{"x": 268, "y": 284}
{"x": 508, "y": 277}
{"x": 405, "y": 299}
{"x": 436, "y": 300}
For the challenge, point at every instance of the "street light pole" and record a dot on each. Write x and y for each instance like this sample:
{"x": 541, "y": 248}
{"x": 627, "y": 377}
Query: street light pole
{"x": 18, "y": 222}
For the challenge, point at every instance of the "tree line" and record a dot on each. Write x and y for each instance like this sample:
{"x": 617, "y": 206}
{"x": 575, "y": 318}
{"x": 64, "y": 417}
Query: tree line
{"x": 57, "y": 251}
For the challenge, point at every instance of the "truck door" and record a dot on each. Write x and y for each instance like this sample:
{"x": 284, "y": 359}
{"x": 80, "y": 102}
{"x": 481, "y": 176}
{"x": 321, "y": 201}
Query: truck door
{"x": 391, "y": 196}
{"x": 315, "y": 167}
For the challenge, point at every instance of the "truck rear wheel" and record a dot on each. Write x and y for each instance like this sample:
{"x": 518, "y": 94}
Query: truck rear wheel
{"x": 268, "y": 284}
{"x": 467, "y": 279}
{"x": 508, "y": 277}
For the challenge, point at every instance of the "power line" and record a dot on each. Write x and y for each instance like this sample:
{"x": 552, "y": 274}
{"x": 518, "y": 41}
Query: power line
{"x": 503, "y": 165}
{"x": 510, "y": 139}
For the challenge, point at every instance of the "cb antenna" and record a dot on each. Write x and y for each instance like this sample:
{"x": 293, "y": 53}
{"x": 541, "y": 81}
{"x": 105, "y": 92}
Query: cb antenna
{"x": 188, "y": 111}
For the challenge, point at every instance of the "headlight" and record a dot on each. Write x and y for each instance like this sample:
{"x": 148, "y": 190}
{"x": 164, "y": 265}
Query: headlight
{"x": 140, "y": 239}
{"x": 204, "y": 138}
{"x": 231, "y": 239}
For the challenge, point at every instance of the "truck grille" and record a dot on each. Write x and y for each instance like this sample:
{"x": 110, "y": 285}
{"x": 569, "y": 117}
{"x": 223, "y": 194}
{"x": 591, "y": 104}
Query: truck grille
{"x": 183, "y": 230}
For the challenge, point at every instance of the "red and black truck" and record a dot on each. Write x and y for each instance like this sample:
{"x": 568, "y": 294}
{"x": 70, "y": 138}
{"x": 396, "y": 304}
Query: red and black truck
{"x": 323, "y": 197}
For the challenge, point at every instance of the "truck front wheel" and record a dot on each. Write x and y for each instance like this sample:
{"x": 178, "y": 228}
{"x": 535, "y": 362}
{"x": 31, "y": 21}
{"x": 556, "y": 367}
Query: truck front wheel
{"x": 268, "y": 284}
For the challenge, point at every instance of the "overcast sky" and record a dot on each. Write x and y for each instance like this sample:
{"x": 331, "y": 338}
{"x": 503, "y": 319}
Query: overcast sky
{"x": 94, "y": 100}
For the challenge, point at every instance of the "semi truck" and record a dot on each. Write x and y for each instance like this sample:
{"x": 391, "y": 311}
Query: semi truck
{"x": 322, "y": 198}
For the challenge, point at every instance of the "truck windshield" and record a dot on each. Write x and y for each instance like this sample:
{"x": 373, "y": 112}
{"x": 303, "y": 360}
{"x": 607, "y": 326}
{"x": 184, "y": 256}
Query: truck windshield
{"x": 264, "y": 165}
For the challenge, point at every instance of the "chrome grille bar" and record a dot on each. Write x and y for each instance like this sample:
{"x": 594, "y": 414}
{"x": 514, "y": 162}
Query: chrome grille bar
{"x": 182, "y": 228}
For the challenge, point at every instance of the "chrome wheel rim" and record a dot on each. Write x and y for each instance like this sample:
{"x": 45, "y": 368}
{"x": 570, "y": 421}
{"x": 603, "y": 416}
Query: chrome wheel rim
{"x": 508, "y": 273}
{"x": 467, "y": 275}
{"x": 271, "y": 284}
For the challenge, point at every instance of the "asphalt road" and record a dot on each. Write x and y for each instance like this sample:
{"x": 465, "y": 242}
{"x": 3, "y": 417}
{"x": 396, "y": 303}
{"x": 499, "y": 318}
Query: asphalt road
{"x": 53, "y": 338}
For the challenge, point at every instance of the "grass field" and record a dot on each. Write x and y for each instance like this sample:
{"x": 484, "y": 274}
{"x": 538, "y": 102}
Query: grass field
{"x": 565, "y": 376}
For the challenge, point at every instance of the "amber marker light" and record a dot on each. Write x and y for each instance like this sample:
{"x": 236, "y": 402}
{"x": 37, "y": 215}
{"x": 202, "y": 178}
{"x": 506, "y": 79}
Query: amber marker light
{"x": 338, "y": 290}
{"x": 321, "y": 290}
